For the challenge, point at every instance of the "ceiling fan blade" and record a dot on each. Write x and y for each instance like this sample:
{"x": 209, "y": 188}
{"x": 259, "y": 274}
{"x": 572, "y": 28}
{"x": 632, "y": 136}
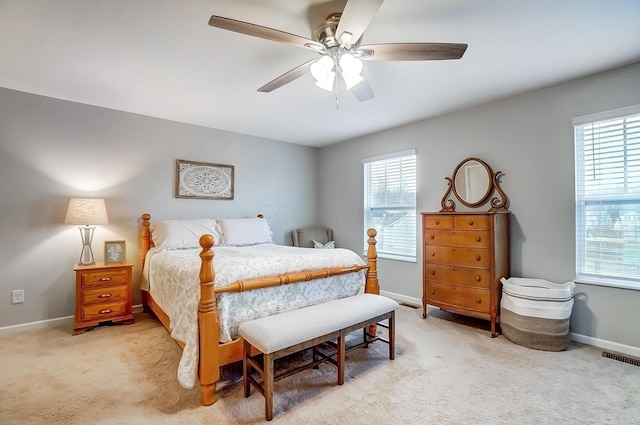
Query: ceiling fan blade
{"x": 264, "y": 32}
{"x": 362, "y": 91}
{"x": 287, "y": 77}
{"x": 356, "y": 17}
{"x": 412, "y": 51}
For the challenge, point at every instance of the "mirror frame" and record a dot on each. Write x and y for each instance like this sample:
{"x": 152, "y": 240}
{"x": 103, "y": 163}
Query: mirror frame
{"x": 498, "y": 203}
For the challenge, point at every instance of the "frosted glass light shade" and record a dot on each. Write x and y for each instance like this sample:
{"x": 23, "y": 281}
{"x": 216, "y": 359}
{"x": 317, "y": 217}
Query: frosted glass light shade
{"x": 86, "y": 211}
{"x": 350, "y": 64}
{"x": 321, "y": 69}
{"x": 327, "y": 83}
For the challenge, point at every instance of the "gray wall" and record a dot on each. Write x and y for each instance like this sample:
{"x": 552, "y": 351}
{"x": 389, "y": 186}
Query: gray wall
{"x": 51, "y": 150}
{"x": 530, "y": 138}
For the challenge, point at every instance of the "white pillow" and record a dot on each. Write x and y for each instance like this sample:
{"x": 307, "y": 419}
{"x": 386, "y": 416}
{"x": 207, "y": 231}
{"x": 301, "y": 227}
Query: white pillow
{"x": 328, "y": 245}
{"x": 183, "y": 234}
{"x": 245, "y": 231}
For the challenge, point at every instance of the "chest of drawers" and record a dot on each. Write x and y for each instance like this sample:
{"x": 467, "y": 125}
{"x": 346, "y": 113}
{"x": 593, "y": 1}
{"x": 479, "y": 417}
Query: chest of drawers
{"x": 464, "y": 257}
{"x": 103, "y": 293}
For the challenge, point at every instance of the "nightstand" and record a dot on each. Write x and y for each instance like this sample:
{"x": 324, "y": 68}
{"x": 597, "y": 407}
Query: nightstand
{"x": 103, "y": 294}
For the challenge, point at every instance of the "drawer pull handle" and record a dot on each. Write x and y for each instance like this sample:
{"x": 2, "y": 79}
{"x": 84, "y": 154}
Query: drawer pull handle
{"x": 108, "y": 310}
{"x": 433, "y": 272}
{"x": 433, "y": 291}
{"x": 478, "y": 300}
{"x": 478, "y": 278}
{"x": 105, "y": 279}
{"x": 470, "y": 222}
{"x": 478, "y": 258}
{"x": 432, "y": 236}
{"x": 478, "y": 239}
{"x": 105, "y": 295}
{"x": 433, "y": 254}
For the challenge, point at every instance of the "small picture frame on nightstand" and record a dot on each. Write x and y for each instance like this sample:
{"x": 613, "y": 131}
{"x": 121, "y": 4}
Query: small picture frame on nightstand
{"x": 115, "y": 252}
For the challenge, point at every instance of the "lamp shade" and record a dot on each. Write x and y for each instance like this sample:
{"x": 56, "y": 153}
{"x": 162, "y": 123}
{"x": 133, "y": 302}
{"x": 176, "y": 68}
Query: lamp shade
{"x": 87, "y": 211}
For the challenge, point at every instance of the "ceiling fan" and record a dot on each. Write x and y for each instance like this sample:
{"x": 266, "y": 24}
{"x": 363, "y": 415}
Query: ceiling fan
{"x": 338, "y": 41}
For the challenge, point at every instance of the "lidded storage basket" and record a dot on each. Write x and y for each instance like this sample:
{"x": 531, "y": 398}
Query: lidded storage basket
{"x": 535, "y": 313}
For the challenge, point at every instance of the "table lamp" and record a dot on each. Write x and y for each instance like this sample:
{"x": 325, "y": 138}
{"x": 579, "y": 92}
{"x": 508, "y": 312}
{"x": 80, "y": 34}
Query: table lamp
{"x": 87, "y": 212}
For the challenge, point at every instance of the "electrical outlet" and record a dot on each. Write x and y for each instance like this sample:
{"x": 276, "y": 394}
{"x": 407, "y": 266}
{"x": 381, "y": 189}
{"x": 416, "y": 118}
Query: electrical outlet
{"x": 17, "y": 296}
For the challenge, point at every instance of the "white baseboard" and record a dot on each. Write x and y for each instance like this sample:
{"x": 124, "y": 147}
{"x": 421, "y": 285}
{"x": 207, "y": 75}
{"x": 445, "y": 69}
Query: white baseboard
{"x": 584, "y": 339}
{"x": 606, "y": 345}
{"x": 412, "y": 301}
{"x": 41, "y": 324}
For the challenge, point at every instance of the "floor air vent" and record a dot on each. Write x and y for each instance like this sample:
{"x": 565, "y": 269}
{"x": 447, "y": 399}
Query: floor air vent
{"x": 621, "y": 358}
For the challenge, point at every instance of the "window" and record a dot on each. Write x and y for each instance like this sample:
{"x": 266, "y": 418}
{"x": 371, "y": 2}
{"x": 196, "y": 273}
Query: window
{"x": 608, "y": 198}
{"x": 390, "y": 203}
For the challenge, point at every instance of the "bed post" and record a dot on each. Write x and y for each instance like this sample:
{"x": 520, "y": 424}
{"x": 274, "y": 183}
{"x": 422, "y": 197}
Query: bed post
{"x": 372, "y": 286}
{"x": 145, "y": 244}
{"x": 208, "y": 363}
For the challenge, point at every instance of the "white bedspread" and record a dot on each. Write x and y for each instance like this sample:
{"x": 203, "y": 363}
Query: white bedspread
{"x": 172, "y": 279}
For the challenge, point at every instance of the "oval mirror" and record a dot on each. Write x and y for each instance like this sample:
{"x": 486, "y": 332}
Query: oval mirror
{"x": 472, "y": 182}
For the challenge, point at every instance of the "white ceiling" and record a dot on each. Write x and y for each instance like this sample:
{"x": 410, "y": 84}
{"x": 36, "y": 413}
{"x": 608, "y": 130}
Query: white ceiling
{"x": 161, "y": 58}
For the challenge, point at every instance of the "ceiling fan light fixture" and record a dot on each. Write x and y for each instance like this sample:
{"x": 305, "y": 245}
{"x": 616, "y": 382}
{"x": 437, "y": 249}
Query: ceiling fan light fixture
{"x": 350, "y": 64}
{"x": 327, "y": 83}
{"x": 322, "y": 68}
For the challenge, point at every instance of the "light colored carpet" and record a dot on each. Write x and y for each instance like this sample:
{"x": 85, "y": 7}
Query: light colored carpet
{"x": 447, "y": 371}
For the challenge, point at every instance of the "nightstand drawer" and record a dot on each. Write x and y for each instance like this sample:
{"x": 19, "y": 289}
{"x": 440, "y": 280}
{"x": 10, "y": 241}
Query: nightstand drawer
{"x": 103, "y": 311}
{"x": 106, "y": 294}
{"x": 105, "y": 277}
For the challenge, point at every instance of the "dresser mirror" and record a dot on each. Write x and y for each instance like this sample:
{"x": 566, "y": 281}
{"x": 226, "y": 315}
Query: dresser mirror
{"x": 472, "y": 183}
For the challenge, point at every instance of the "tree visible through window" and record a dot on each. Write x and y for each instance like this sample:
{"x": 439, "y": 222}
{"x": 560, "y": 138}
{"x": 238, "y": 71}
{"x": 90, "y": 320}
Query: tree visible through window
{"x": 608, "y": 197}
{"x": 390, "y": 203}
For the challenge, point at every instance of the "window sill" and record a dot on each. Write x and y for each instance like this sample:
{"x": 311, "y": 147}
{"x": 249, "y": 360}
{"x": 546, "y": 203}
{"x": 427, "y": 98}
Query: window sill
{"x": 611, "y": 283}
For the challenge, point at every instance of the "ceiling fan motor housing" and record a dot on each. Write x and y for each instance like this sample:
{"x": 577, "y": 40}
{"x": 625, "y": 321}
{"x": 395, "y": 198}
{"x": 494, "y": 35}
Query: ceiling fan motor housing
{"x": 325, "y": 33}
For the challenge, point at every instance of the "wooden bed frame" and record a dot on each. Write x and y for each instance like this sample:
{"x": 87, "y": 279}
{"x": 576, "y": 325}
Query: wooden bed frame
{"x": 212, "y": 354}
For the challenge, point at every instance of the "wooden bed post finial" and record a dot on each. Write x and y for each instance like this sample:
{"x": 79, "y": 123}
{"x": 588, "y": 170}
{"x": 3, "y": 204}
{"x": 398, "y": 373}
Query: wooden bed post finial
{"x": 372, "y": 286}
{"x": 209, "y": 368}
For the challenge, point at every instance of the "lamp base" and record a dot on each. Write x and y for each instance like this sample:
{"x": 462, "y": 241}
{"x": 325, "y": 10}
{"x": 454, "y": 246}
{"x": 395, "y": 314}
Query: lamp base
{"x": 86, "y": 255}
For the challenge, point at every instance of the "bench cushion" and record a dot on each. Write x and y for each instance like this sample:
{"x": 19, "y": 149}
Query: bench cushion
{"x": 273, "y": 333}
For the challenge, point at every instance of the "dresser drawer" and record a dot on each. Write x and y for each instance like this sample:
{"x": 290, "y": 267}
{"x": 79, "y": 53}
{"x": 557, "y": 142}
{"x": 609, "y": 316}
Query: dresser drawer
{"x": 460, "y": 256}
{"x": 104, "y": 295}
{"x": 480, "y": 238}
{"x": 103, "y": 311}
{"x": 105, "y": 277}
{"x": 437, "y": 221}
{"x": 480, "y": 278}
{"x": 458, "y": 296}
{"x": 479, "y": 222}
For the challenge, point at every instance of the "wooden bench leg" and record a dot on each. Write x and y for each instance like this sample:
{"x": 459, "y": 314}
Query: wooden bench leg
{"x": 341, "y": 354}
{"x": 392, "y": 336}
{"x": 268, "y": 385}
{"x": 246, "y": 369}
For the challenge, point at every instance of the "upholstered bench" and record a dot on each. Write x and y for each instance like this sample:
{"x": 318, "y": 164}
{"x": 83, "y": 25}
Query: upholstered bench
{"x": 293, "y": 331}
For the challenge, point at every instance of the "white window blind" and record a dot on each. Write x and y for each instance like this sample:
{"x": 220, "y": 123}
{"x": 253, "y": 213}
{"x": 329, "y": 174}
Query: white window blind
{"x": 390, "y": 203}
{"x": 608, "y": 198}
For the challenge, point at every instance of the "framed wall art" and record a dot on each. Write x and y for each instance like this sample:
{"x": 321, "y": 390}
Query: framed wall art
{"x": 115, "y": 252}
{"x": 201, "y": 180}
